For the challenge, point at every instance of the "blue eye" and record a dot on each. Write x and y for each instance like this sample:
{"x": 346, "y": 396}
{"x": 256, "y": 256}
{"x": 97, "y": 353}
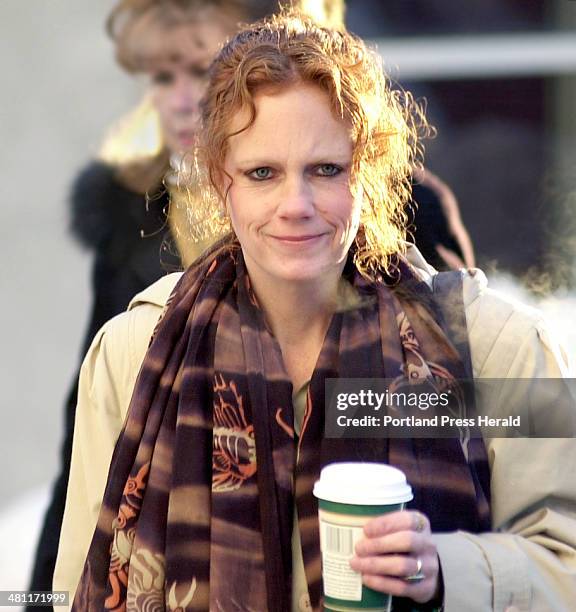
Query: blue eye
{"x": 261, "y": 174}
{"x": 329, "y": 170}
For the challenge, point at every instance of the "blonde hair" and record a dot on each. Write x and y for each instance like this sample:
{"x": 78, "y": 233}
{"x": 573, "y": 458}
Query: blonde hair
{"x": 386, "y": 123}
{"x": 138, "y": 27}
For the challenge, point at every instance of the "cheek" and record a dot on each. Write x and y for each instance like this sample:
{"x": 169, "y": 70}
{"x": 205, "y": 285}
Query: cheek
{"x": 236, "y": 210}
{"x": 248, "y": 210}
{"x": 343, "y": 209}
{"x": 355, "y": 220}
{"x": 356, "y": 213}
{"x": 197, "y": 89}
{"x": 160, "y": 102}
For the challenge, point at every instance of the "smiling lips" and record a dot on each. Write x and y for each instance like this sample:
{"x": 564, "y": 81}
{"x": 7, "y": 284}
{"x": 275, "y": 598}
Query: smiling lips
{"x": 298, "y": 239}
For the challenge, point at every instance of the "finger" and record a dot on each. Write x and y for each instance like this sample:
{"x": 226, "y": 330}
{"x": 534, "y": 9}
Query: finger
{"x": 398, "y": 566}
{"x": 420, "y": 592}
{"x": 403, "y": 520}
{"x": 387, "y": 523}
{"x": 397, "y": 542}
{"x": 421, "y": 522}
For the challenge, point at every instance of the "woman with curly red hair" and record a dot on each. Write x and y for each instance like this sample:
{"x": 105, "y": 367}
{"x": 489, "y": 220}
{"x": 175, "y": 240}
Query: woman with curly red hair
{"x": 206, "y": 399}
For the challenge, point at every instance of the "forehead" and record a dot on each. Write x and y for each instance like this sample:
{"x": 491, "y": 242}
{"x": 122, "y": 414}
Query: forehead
{"x": 299, "y": 120}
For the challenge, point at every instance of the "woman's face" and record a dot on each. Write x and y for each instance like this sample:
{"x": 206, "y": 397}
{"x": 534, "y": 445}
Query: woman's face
{"x": 176, "y": 85}
{"x": 290, "y": 200}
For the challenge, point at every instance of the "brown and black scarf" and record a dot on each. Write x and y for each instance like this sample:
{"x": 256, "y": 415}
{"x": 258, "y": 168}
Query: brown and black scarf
{"x": 198, "y": 508}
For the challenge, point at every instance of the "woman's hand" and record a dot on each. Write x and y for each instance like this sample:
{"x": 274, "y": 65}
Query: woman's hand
{"x": 397, "y": 556}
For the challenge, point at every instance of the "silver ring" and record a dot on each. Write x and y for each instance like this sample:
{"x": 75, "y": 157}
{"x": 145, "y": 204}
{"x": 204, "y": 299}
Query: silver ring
{"x": 419, "y": 575}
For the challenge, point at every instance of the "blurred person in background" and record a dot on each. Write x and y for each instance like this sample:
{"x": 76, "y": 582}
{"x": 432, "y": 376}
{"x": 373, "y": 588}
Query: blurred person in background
{"x": 204, "y": 402}
{"x": 120, "y": 202}
{"x": 435, "y": 223}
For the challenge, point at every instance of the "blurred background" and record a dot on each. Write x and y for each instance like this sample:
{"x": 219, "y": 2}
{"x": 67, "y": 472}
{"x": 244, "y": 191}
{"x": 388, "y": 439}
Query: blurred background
{"x": 499, "y": 80}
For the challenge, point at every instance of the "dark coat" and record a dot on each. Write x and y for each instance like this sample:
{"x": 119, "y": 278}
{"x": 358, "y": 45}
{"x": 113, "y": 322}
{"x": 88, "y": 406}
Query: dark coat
{"x": 129, "y": 236}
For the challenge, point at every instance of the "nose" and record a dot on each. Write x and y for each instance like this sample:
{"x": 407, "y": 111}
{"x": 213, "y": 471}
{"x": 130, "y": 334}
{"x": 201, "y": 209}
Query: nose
{"x": 185, "y": 97}
{"x": 296, "y": 199}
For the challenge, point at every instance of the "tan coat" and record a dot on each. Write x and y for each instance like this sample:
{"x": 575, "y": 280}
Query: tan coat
{"x": 528, "y": 562}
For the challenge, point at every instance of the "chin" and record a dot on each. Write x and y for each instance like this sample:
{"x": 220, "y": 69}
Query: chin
{"x": 277, "y": 267}
{"x": 305, "y": 273}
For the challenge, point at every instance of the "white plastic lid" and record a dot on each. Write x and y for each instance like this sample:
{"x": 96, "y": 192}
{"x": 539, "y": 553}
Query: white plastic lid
{"x": 366, "y": 484}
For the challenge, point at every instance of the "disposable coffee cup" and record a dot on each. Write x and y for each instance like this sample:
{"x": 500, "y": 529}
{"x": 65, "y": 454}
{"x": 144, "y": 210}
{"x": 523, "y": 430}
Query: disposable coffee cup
{"x": 349, "y": 495}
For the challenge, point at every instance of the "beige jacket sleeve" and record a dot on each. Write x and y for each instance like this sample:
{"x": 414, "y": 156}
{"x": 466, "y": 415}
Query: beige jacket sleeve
{"x": 529, "y": 561}
{"x": 107, "y": 378}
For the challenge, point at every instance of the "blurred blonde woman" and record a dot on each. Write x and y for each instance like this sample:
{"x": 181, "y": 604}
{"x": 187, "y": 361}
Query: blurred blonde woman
{"x": 200, "y": 425}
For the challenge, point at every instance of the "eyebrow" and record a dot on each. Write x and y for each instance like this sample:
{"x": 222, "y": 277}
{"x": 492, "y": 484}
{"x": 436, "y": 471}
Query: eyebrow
{"x": 254, "y": 163}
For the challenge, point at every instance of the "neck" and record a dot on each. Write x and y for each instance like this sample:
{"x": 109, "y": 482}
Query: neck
{"x": 299, "y": 308}
{"x": 299, "y": 315}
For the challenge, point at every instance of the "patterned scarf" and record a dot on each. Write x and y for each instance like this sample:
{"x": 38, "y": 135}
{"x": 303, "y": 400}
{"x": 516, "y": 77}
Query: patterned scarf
{"x": 198, "y": 507}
